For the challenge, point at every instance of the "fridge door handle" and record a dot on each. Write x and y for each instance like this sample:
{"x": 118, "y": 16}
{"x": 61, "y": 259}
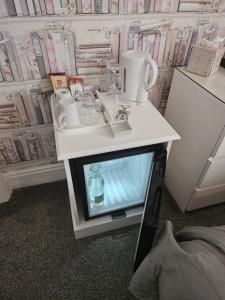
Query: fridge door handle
{"x": 118, "y": 214}
{"x": 155, "y": 208}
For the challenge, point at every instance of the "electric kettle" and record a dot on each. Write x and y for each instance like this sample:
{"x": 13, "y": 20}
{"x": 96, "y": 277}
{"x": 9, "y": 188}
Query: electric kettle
{"x": 139, "y": 73}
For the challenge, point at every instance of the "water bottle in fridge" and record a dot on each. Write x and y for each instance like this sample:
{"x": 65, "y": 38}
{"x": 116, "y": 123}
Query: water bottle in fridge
{"x": 96, "y": 185}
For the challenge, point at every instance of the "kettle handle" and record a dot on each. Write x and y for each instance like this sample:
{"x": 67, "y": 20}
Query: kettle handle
{"x": 152, "y": 64}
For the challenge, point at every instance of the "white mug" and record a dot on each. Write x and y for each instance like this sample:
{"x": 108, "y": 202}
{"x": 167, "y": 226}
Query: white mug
{"x": 68, "y": 113}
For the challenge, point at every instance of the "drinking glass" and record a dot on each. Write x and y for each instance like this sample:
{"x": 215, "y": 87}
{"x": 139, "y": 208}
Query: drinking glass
{"x": 87, "y": 109}
{"x": 113, "y": 68}
{"x": 110, "y": 83}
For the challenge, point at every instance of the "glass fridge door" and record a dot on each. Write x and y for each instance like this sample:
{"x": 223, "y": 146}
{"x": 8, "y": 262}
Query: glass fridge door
{"x": 116, "y": 184}
{"x": 150, "y": 217}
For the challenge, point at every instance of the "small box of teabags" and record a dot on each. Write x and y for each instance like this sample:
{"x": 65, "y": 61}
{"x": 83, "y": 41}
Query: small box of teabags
{"x": 204, "y": 60}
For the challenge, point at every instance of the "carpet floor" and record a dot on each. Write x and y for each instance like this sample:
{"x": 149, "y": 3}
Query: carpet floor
{"x": 40, "y": 258}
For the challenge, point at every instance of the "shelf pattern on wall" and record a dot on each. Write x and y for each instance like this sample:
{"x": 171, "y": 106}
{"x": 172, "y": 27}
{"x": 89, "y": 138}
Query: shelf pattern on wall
{"x": 27, "y": 58}
{"x": 24, "y": 108}
{"x": 107, "y": 17}
{"x": 37, "y": 8}
{"x": 32, "y": 56}
{"x": 19, "y": 167}
{"x": 27, "y": 146}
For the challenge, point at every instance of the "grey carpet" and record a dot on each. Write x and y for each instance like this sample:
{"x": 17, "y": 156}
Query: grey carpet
{"x": 40, "y": 258}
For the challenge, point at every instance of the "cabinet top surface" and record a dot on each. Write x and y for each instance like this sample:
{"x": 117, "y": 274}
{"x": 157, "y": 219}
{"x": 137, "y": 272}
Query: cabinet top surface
{"x": 214, "y": 84}
{"x": 148, "y": 127}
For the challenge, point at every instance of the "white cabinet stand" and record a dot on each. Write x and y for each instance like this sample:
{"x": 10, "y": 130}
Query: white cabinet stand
{"x": 195, "y": 174}
{"x": 148, "y": 128}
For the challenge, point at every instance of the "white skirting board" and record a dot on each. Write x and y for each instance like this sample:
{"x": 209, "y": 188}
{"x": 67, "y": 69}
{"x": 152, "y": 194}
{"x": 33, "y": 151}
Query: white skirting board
{"x": 34, "y": 176}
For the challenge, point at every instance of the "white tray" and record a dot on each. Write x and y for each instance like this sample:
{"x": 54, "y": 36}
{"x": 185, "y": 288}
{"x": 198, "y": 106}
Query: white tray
{"x": 120, "y": 129}
{"x": 86, "y": 128}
